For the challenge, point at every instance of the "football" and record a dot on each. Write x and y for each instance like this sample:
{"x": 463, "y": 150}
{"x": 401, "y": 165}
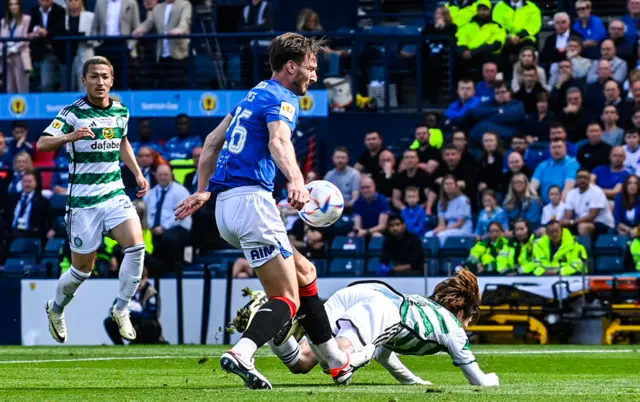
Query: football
{"x": 325, "y": 204}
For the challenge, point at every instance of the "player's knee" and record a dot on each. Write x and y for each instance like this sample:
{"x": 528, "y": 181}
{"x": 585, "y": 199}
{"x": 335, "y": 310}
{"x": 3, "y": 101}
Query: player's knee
{"x": 305, "y": 271}
{"x": 291, "y": 301}
{"x": 300, "y": 368}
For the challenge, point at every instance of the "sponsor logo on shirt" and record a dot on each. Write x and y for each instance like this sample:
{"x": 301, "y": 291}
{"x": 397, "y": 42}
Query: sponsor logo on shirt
{"x": 99, "y": 146}
{"x": 287, "y": 110}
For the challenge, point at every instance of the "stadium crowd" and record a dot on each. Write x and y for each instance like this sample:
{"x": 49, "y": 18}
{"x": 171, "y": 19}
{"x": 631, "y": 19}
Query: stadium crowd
{"x": 535, "y": 160}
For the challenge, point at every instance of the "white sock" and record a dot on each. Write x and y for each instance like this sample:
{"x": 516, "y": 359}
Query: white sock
{"x": 245, "y": 348}
{"x": 289, "y": 352}
{"x": 332, "y": 354}
{"x": 130, "y": 274}
{"x": 67, "y": 286}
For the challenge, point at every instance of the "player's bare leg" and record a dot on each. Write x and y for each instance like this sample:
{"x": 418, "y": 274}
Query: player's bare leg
{"x": 278, "y": 278}
{"x": 68, "y": 284}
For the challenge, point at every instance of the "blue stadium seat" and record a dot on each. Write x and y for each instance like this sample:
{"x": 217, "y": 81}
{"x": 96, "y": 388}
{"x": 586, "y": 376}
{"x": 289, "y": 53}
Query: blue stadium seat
{"x": 457, "y": 246}
{"x": 343, "y": 226}
{"x": 372, "y": 266}
{"x": 321, "y": 267}
{"x": 586, "y": 242}
{"x": 431, "y": 246}
{"x": 58, "y": 203}
{"x": 447, "y": 265}
{"x": 433, "y": 267}
{"x": 18, "y": 265}
{"x": 609, "y": 264}
{"x": 60, "y": 226}
{"x": 53, "y": 247}
{"x": 22, "y": 247}
{"x": 375, "y": 245}
{"x": 611, "y": 245}
{"x": 50, "y": 265}
{"x": 344, "y": 245}
{"x": 346, "y": 267}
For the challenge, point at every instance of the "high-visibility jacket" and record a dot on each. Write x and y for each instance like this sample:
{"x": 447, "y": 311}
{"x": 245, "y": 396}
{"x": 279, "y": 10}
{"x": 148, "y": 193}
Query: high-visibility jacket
{"x": 635, "y": 253}
{"x": 485, "y": 253}
{"x": 524, "y": 22}
{"x": 478, "y": 34}
{"x": 516, "y": 257}
{"x": 436, "y": 139}
{"x": 569, "y": 258}
{"x": 462, "y": 12}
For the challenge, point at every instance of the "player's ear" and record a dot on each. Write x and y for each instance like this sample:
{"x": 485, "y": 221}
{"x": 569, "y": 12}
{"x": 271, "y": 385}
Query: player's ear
{"x": 291, "y": 67}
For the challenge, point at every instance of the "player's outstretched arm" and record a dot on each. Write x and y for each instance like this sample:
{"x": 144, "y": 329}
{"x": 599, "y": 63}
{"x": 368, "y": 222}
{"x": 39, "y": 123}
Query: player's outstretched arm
{"x": 129, "y": 158}
{"x": 477, "y": 377}
{"x": 284, "y": 154}
{"x": 48, "y": 143}
{"x": 396, "y": 368}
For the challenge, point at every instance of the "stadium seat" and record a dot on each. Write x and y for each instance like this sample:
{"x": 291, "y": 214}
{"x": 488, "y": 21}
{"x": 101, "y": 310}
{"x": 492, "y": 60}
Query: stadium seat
{"x": 433, "y": 267}
{"x": 60, "y": 226}
{"x": 22, "y": 247}
{"x": 344, "y": 245}
{"x": 321, "y": 267}
{"x": 53, "y": 247}
{"x": 375, "y": 245}
{"x": 372, "y": 266}
{"x": 611, "y": 245}
{"x": 50, "y": 267}
{"x": 58, "y": 203}
{"x": 431, "y": 246}
{"x": 609, "y": 264}
{"x": 18, "y": 265}
{"x": 343, "y": 226}
{"x": 456, "y": 246}
{"x": 346, "y": 267}
{"x": 447, "y": 265}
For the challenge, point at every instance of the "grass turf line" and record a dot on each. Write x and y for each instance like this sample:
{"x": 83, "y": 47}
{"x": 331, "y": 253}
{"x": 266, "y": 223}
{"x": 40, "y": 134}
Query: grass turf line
{"x": 186, "y": 373}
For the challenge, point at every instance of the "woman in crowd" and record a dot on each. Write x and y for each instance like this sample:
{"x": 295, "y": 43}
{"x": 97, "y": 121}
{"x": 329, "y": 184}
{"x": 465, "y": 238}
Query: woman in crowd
{"x": 434, "y": 51}
{"x": 626, "y": 210}
{"x": 527, "y": 57}
{"x": 554, "y": 210}
{"x": 515, "y": 165}
{"x": 482, "y": 257}
{"x": 517, "y": 255}
{"x": 460, "y": 140}
{"x": 522, "y": 201}
{"x": 78, "y": 23}
{"x": 454, "y": 212}
{"x": 22, "y": 163}
{"x": 491, "y": 163}
{"x": 538, "y": 123}
{"x": 309, "y": 21}
{"x": 490, "y": 213}
{"x": 15, "y": 24}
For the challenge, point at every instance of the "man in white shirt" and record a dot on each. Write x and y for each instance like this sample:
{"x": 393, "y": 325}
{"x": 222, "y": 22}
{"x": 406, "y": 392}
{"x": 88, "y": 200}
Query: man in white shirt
{"x": 587, "y": 209}
{"x": 170, "y": 236}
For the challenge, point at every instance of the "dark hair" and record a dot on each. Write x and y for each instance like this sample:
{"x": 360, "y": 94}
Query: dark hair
{"x": 553, "y": 222}
{"x": 466, "y": 137}
{"x": 530, "y": 68}
{"x": 496, "y": 223}
{"x": 465, "y": 80}
{"x": 182, "y": 116}
{"x": 444, "y": 197}
{"x": 557, "y": 124}
{"x": 31, "y": 172}
{"x": 393, "y": 218}
{"x": 499, "y": 84}
{"x": 559, "y": 140}
{"x": 583, "y": 169}
{"x": 449, "y": 146}
{"x": 411, "y": 150}
{"x": 292, "y": 47}
{"x": 526, "y": 222}
{"x": 575, "y": 39}
{"x": 594, "y": 123}
{"x": 629, "y": 201}
{"x": 19, "y": 124}
{"x": 8, "y": 17}
{"x": 542, "y": 96}
{"x": 96, "y": 61}
{"x": 373, "y": 132}
{"x": 631, "y": 131}
{"x": 436, "y": 116}
{"x": 490, "y": 193}
{"x": 552, "y": 187}
{"x": 341, "y": 149}
{"x": 519, "y": 135}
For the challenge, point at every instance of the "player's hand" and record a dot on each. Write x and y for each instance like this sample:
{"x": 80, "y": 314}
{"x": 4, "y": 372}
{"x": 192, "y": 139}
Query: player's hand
{"x": 81, "y": 134}
{"x": 193, "y": 203}
{"x": 417, "y": 381}
{"x": 298, "y": 194}
{"x": 491, "y": 380}
{"x": 143, "y": 186}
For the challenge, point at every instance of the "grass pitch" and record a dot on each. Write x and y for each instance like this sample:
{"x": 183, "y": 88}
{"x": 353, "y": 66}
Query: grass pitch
{"x": 177, "y": 373}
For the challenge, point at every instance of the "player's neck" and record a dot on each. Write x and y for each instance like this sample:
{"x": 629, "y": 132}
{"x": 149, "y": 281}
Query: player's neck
{"x": 101, "y": 103}
{"x": 283, "y": 81}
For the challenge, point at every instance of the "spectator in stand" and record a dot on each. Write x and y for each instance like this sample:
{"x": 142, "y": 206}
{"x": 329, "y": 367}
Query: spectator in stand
{"x": 595, "y": 152}
{"x": 538, "y": 124}
{"x": 15, "y": 24}
{"x": 612, "y": 96}
{"x": 555, "y": 46}
{"x": 370, "y": 211}
{"x": 632, "y": 150}
{"x": 346, "y": 178}
{"x": 180, "y": 147}
{"x": 558, "y": 132}
{"x": 557, "y": 252}
{"x": 587, "y": 211}
{"x": 22, "y": 163}
{"x": 453, "y": 166}
{"x": 60, "y": 180}
{"x": 386, "y": 171}
{"x": 503, "y": 116}
{"x": 430, "y": 157}
{"x": 594, "y": 97}
{"x": 625, "y": 44}
{"x": 171, "y": 17}
{"x": 116, "y": 18}
{"x": 20, "y": 132}
{"x": 78, "y": 23}
{"x": 610, "y": 177}
{"x": 626, "y": 210}
{"x": 146, "y": 138}
{"x": 414, "y": 215}
{"x": 522, "y": 20}
{"x": 149, "y": 5}
{"x": 484, "y": 88}
{"x": 612, "y": 135}
{"x": 491, "y": 212}
{"x": 48, "y": 21}
{"x": 433, "y": 53}
{"x": 516, "y": 256}
{"x": 480, "y": 40}
{"x": 573, "y": 116}
{"x": 580, "y": 65}
{"x": 369, "y": 159}
{"x": 146, "y": 161}
{"x": 528, "y": 92}
{"x": 527, "y": 57}
{"x": 6, "y": 158}
{"x": 412, "y": 176}
{"x": 257, "y": 17}
{"x": 459, "y": 113}
{"x": 522, "y": 201}
{"x": 515, "y": 166}
{"x": 309, "y": 240}
{"x": 560, "y": 170}
{"x": 454, "y": 211}
{"x": 590, "y": 27}
{"x": 402, "y": 252}
{"x": 191, "y": 180}
{"x": 634, "y": 90}
{"x": 28, "y": 213}
{"x": 562, "y": 84}
{"x": 619, "y": 68}
{"x": 490, "y": 174}
{"x": 436, "y": 137}
{"x": 483, "y": 255}
{"x": 632, "y": 20}
{"x": 461, "y": 143}
{"x": 462, "y": 11}
{"x": 554, "y": 210}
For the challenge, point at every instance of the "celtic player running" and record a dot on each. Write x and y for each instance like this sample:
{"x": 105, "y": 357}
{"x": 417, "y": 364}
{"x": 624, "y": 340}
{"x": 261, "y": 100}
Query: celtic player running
{"x": 94, "y": 130}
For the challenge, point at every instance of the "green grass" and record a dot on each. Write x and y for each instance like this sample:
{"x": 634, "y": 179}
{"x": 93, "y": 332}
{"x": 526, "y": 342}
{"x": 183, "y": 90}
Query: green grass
{"x": 176, "y": 373}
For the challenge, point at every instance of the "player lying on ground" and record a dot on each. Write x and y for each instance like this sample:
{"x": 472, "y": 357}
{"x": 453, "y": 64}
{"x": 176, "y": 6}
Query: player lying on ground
{"x": 372, "y": 320}
{"x": 94, "y": 130}
{"x": 238, "y": 164}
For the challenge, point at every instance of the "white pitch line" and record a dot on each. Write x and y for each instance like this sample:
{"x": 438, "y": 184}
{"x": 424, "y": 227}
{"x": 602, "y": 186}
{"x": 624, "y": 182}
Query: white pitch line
{"x": 176, "y": 357}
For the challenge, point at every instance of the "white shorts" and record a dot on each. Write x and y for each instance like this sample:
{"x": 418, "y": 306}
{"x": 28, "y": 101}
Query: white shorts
{"x": 87, "y": 226}
{"x": 362, "y": 315}
{"x": 249, "y": 219}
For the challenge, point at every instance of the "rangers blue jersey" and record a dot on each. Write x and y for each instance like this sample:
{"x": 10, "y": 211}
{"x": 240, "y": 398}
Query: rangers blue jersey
{"x": 245, "y": 159}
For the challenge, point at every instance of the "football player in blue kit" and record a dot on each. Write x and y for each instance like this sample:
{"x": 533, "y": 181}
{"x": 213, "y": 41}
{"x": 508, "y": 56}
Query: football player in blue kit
{"x": 238, "y": 164}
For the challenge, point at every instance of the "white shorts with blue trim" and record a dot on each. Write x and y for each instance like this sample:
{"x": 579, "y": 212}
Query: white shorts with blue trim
{"x": 249, "y": 219}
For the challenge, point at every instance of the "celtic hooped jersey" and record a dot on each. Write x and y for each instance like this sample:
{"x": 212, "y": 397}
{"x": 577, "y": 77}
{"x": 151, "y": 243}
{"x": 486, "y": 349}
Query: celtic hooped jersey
{"x": 94, "y": 168}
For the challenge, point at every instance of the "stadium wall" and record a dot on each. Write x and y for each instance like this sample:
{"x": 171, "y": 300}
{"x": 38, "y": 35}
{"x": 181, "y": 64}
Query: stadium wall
{"x": 25, "y": 321}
